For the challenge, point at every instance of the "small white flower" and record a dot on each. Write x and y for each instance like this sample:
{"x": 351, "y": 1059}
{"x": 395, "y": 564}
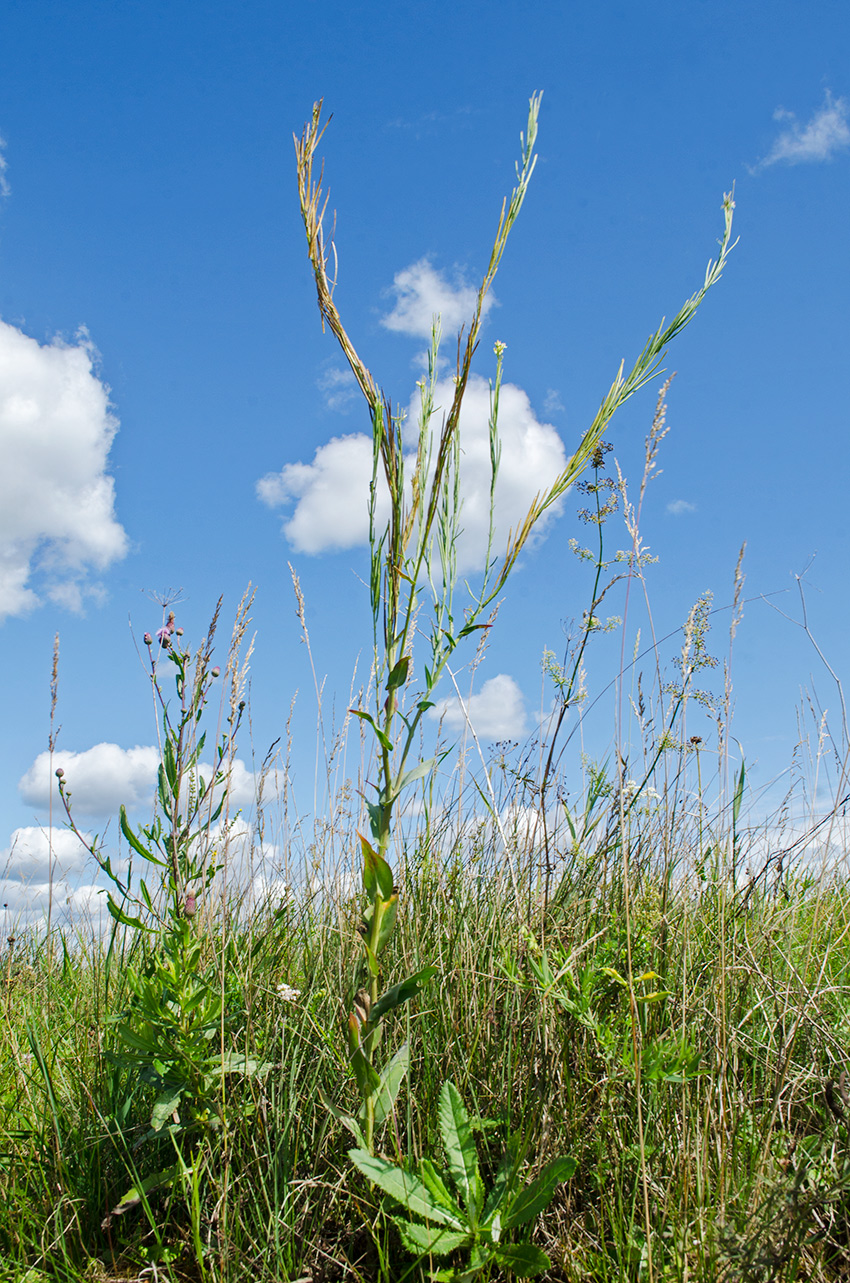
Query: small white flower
{"x": 287, "y": 994}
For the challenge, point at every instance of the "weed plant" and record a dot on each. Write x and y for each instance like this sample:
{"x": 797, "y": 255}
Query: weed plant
{"x": 595, "y": 1012}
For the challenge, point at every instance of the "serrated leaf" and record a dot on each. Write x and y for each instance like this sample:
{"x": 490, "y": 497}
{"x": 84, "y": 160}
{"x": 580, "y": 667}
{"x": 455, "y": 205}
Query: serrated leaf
{"x": 522, "y": 1259}
{"x": 537, "y": 1196}
{"x": 402, "y": 992}
{"x": 460, "y": 1149}
{"x": 436, "y": 1186}
{"x": 427, "y": 1240}
{"x": 404, "y": 1187}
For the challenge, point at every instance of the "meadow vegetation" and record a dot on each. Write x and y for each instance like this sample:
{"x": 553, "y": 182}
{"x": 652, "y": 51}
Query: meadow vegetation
{"x": 507, "y": 1011}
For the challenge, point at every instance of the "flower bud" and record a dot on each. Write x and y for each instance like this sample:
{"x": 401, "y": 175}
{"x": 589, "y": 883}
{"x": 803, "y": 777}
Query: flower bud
{"x": 216, "y": 672}
{"x": 190, "y": 905}
{"x": 59, "y": 772}
{"x": 179, "y": 632}
{"x": 148, "y": 639}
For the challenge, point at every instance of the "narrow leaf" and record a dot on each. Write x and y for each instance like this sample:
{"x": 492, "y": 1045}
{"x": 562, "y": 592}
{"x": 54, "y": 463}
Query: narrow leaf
{"x": 537, "y": 1196}
{"x": 342, "y": 1117}
{"x": 402, "y": 992}
{"x": 130, "y": 835}
{"x": 415, "y": 773}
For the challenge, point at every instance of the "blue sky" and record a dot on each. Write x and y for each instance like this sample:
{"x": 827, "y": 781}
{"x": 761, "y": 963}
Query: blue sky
{"x": 161, "y": 350}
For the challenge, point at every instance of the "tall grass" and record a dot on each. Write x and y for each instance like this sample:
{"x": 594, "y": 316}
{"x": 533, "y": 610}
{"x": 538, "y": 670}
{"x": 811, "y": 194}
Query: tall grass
{"x": 624, "y": 961}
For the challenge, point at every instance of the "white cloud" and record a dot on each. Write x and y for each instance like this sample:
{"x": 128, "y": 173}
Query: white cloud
{"x": 57, "y": 516}
{"x": 552, "y": 402}
{"x": 331, "y": 493}
{"x": 4, "y": 166}
{"x": 422, "y": 292}
{"x": 497, "y": 712}
{"x": 339, "y": 387}
{"x": 34, "y": 850}
{"x": 105, "y": 777}
{"x": 101, "y": 778}
{"x": 679, "y": 507}
{"x": 825, "y": 134}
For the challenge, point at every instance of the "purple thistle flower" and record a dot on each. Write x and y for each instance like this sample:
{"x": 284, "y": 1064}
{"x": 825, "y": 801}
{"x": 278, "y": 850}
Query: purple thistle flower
{"x": 163, "y": 635}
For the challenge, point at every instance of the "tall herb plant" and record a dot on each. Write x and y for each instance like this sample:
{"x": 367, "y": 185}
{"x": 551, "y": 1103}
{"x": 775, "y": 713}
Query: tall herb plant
{"x": 413, "y": 557}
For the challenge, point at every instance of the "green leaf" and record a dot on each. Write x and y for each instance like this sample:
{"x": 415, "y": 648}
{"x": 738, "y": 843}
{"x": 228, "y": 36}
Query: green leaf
{"x": 415, "y": 773}
{"x": 402, "y": 992}
{"x": 388, "y": 918}
{"x": 131, "y": 837}
{"x": 504, "y": 1180}
{"x": 370, "y": 875}
{"x": 522, "y": 1259}
{"x": 739, "y": 795}
{"x": 384, "y": 740}
{"x": 377, "y": 874}
{"x": 125, "y": 919}
{"x": 137, "y": 1192}
{"x": 164, "y": 1106}
{"x": 391, "y": 1080}
{"x": 342, "y": 1117}
{"x": 434, "y": 1183}
{"x": 537, "y": 1196}
{"x": 460, "y": 1147}
{"x": 376, "y": 818}
{"x": 427, "y": 1240}
{"x": 169, "y": 763}
{"x": 404, "y": 1187}
{"x": 398, "y": 676}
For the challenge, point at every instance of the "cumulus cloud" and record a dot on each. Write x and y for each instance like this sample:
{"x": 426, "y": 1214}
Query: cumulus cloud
{"x": 825, "y": 134}
{"x": 34, "y": 850}
{"x": 105, "y": 777}
{"x": 101, "y": 778}
{"x": 57, "y": 519}
{"x": 421, "y": 292}
{"x": 331, "y": 493}
{"x": 679, "y": 507}
{"x": 497, "y": 712}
